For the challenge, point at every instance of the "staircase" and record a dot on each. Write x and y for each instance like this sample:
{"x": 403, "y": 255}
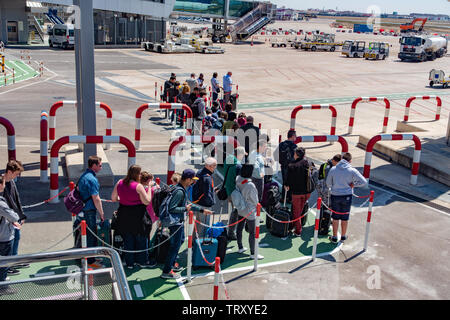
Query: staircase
{"x": 252, "y": 22}
{"x": 36, "y": 34}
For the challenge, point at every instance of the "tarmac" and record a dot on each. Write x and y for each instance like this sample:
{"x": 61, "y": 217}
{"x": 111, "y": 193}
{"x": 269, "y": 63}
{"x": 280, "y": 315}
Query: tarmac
{"x": 409, "y": 238}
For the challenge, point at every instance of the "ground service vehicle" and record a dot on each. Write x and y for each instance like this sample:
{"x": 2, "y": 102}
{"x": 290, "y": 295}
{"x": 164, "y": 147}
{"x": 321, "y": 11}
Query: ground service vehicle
{"x": 201, "y": 46}
{"x": 438, "y": 77}
{"x": 377, "y": 50}
{"x": 321, "y": 42}
{"x": 62, "y": 35}
{"x": 422, "y": 47}
{"x": 354, "y": 49}
{"x": 168, "y": 46}
{"x": 279, "y": 42}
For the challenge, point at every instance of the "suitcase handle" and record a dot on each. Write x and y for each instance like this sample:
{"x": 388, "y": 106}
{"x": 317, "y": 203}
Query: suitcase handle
{"x": 285, "y": 195}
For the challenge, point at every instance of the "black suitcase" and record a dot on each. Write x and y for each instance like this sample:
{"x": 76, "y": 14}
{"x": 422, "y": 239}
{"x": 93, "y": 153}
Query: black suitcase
{"x": 305, "y": 213}
{"x": 325, "y": 221}
{"x": 161, "y": 247}
{"x": 270, "y": 211}
{"x": 117, "y": 242}
{"x": 279, "y": 229}
{"x": 222, "y": 247}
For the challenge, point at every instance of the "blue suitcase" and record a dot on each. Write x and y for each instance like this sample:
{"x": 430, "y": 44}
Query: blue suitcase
{"x": 209, "y": 249}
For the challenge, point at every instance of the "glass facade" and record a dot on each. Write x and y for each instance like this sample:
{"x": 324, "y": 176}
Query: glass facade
{"x": 215, "y": 7}
{"x": 116, "y": 28}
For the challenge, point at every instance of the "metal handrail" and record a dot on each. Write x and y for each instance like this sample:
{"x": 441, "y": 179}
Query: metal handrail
{"x": 120, "y": 277}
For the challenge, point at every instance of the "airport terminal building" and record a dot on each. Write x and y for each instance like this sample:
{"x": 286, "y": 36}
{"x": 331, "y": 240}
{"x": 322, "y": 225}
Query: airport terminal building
{"x": 116, "y": 22}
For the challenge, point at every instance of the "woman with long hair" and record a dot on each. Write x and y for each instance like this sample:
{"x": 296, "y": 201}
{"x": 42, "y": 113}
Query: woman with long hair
{"x": 133, "y": 201}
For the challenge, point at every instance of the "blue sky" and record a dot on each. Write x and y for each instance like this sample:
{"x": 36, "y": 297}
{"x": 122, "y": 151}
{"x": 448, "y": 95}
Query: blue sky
{"x": 401, "y": 6}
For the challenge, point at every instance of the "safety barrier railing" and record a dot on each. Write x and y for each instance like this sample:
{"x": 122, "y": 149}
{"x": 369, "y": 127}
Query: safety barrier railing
{"x": 11, "y": 132}
{"x": 44, "y": 147}
{"x": 410, "y": 100}
{"x": 194, "y": 139}
{"x": 60, "y": 104}
{"x": 316, "y": 107}
{"x": 340, "y": 139}
{"x": 120, "y": 288}
{"x": 394, "y": 137}
{"x": 54, "y": 172}
{"x": 166, "y": 106}
{"x": 369, "y": 99}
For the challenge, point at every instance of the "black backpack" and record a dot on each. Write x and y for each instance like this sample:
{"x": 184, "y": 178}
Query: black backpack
{"x": 158, "y": 197}
{"x": 195, "y": 111}
{"x": 285, "y": 154}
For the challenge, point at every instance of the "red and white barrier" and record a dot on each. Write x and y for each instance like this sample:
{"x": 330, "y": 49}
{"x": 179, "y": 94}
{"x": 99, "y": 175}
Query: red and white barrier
{"x": 11, "y": 132}
{"x": 190, "y": 233}
{"x": 316, "y": 228}
{"x": 193, "y": 140}
{"x": 316, "y": 107}
{"x": 369, "y": 219}
{"x": 339, "y": 139}
{"x": 394, "y": 137}
{"x": 410, "y": 100}
{"x": 54, "y": 185}
{"x": 369, "y": 99}
{"x": 167, "y": 106}
{"x": 257, "y": 221}
{"x": 60, "y": 104}
{"x": 44, "y": 147}
{"x": 216, "y": 279}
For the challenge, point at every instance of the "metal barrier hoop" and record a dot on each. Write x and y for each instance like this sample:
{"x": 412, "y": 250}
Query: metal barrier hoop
{"x": 316, "y": 107}
{"x": 11, "y": 132}
{"x": 369, "y": 99}
{"x": 410, "y": 100}
{"x": 339, "y": 139}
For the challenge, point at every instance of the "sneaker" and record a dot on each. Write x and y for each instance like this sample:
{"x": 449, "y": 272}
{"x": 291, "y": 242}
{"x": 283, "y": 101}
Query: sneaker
{"x": 22, "y": 266}
{"x": 170, "y": 275}
{"x": 13, "y": 271}
{"x": 96, "y": 265}
{"x": 260, "y": 257}
{"x": 7, "y": 279}
{"x": 7, "y": 290}
{"x": 242, "y": 250}
{"x": 333, "y": 239}
{"x": 343, "y": 238}
{"x": 296, "y": 235}
{"x": 143, "y": 266}
{"x": 177, "y": 268}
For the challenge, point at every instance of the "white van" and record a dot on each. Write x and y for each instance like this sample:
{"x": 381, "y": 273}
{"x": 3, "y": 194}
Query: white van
{"x": 62, "y": 35}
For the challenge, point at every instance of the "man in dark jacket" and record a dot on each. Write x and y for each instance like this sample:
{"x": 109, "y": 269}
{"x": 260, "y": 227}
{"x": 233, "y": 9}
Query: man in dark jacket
{"x": 248, "y": 138}
{"x": 284, "y": 154}
{"x": 13, "y": 169}
{"x": 203, "y": 192}
{"x": 297, "y": 183}
{"x": 178, "y": 208}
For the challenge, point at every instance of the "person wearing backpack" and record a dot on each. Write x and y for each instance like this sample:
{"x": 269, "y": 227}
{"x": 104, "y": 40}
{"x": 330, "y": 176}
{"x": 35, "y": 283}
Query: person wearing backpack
{"x": 199, "y": 112}
{"x": 172, "y": 214}
{"x": 299, "y": 183}
{"x": 284, "y": 154}
{"x": 245, "y": 197}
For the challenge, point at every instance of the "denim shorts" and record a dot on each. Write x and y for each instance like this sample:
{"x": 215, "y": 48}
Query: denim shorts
{"x": 341, "y": 204}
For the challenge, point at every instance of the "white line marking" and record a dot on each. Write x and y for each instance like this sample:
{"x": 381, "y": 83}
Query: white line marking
{"x": 184, "y": 292}
{"x": 44, "y": 274}
{"x": 138, "y": 291}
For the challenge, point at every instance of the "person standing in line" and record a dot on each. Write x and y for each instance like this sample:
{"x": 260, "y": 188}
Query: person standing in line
{"x": 177, "y": 210}
{"x": 284, "y": 154}
{"x": 89, "y": 188}
{"x": 199, "y": 112}
{"x": 9, "y": 222}
{"x": 341, "y": 179}
{"x": 133, "y": 199}
{"x": 250, "y": 197}
{"x": 192, "y": 82}
{"x": 250, "y": 139}
{"x": 201, "y": 81}
{"x": 227, "y": 87}
{"x": 215, "y": 87}
{"x": 296, "y": 182}
{"x": 184, "y": 98}
{"x": 13, "y": 170}
{"x": 232, "y": 168}
{"x": 168, "y": 85}
{"x": 256, "y": 158}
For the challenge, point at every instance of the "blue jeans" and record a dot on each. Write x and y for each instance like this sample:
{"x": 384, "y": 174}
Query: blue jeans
{"x": 341, "y": 204}
{"x": 15, "y": 245}
{"x": 176, "y": 240}
{"x": 91, "y": 221}
{"x": 133, "y": 242}
{"x": 5, "y": 250}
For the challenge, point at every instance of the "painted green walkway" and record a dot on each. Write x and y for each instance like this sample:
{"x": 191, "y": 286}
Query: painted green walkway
{"x": 338, "y": 100}
{"x": 22, "y": 72}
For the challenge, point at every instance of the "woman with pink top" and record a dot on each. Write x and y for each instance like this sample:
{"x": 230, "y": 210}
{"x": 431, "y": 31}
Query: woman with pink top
{"x": 133, "y": 200}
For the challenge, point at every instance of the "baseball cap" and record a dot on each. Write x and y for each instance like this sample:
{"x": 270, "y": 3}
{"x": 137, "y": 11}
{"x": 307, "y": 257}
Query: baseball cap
{"x": 188, "y": 174}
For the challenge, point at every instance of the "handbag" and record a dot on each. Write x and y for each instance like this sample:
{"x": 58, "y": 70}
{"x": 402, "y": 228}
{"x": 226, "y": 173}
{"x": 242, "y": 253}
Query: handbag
{"x": 222, "y": 194}
{"x": 73, "y": 201}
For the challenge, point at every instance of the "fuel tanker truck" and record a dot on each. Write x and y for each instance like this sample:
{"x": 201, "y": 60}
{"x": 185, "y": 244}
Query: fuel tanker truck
{"x": 418, "y": 47}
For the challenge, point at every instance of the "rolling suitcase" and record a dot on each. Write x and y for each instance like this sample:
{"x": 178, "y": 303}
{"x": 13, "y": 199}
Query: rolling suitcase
{"x": 118, "y": 244}
{"x": 325, "y": 220}
{"x": 305, "y": 213}
{"x": 222, "y": 242}
{"x": 160, "y": 246}
{"x": 104, "y": 233}
{"x": 280, "y": 229}
{"x": 207, "y": 246}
